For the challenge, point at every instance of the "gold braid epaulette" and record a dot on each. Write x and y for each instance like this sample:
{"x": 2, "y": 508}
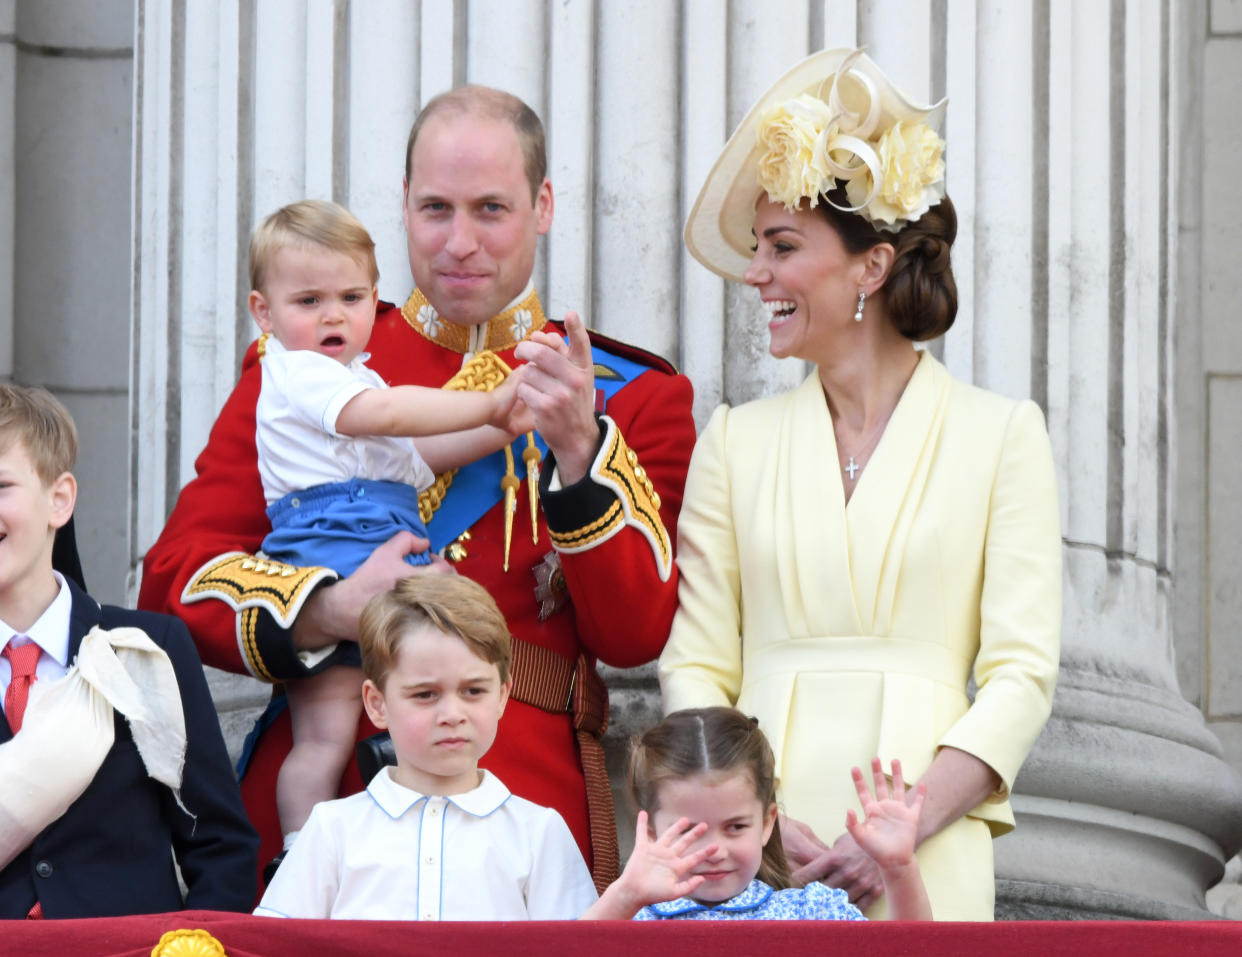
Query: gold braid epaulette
{"x": 247, "y": 583}
{"x": 482, "y": 373}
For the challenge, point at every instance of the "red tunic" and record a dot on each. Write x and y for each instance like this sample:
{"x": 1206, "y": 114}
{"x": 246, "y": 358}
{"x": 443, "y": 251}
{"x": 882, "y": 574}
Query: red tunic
{"x": 620, "y": 609}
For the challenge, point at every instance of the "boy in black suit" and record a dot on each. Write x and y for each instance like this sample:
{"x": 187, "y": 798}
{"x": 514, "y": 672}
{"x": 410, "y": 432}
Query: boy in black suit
{"x": 113, "y": 773}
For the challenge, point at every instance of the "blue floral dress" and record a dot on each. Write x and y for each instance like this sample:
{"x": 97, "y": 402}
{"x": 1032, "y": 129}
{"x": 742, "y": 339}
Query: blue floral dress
{"x": 760, "y": 902}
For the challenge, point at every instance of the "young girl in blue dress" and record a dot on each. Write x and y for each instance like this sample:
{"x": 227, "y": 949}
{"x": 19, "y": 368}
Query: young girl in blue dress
{"x": 708, "y": 844}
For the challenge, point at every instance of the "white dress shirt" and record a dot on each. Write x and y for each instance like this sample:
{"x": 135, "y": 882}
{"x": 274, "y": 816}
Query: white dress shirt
{"x": 50, "y": 633}
{"x": 302, "y": 394}
{"x": 389, "y": 853}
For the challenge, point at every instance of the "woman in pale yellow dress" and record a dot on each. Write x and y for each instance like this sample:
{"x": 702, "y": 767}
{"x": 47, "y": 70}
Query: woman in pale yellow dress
{"x": 851, "y": 552}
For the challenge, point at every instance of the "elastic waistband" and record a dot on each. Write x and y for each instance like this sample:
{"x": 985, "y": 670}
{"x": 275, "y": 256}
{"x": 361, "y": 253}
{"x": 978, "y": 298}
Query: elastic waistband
{"x": 396, "y": 495}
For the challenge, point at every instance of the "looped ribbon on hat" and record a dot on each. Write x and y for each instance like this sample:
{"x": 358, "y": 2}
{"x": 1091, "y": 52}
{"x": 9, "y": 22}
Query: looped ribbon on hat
{"x": 842, "y": 133}
{"x": 849, "y": 130}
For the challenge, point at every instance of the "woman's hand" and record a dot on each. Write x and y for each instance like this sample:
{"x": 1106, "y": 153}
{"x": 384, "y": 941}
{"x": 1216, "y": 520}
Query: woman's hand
{"x": 658, "y": 870}
{"x": 849, "y": 867}
{"x": 801, "y": 845}
{"x": 844, "y": 864}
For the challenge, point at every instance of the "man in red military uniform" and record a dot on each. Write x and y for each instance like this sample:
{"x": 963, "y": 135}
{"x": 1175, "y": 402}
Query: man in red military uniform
{"x": 591, "y": 577}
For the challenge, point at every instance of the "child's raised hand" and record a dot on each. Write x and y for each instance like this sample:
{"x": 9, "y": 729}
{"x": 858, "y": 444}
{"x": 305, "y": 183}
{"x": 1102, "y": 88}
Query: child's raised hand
{"x": 510, "y": 413}
{"x": 889, "y": 826}
{"x": 658, "y": 870}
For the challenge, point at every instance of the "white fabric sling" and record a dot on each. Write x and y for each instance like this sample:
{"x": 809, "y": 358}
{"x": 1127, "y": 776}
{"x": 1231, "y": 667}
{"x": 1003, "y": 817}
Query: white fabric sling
{"x": 68, "y": 730}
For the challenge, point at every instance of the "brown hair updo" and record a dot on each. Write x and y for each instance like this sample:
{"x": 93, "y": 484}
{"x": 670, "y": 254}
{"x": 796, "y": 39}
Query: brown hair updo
{"x": 920, "y": 292}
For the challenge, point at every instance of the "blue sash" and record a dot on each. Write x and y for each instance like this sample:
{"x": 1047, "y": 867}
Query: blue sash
{"x": 476, "y": 487}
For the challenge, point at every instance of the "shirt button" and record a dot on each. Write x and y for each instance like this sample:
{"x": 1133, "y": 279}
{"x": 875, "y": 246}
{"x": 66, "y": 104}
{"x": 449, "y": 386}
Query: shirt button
{"x": 44, "y": 869}
{"x": 430, "y": 860}
{"x": 427, "y": 915}
{"x": 435, "y": 810}
{"x": 296, "y": 502}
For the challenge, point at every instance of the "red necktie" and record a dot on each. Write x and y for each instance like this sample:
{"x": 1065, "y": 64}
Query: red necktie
{"x": 22, "y": 660}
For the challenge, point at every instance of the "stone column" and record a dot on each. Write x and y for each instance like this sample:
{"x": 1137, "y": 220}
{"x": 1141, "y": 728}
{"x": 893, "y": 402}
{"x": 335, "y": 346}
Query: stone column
{"x": 1125, "y": 807}
{"x": 66, "y": 75}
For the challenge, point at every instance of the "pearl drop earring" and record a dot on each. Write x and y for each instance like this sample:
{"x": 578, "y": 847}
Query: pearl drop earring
{"x": 862, "y": 298}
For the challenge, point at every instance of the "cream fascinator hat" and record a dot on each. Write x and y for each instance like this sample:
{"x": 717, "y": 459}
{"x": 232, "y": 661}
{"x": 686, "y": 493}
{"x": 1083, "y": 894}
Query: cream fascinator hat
{"x": 834, "y": 119}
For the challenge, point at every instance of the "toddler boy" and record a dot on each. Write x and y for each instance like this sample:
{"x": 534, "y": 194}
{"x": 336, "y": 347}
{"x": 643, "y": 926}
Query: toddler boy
{"x": 433, "y": 838}
{"x": 113, "y": 772}
{"x": 341, "y": 474}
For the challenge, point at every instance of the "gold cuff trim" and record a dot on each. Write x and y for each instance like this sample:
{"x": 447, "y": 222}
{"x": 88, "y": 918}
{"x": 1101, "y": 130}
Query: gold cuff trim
{"x": 597, "y": 531}
{"x": 503, "y": 331}
{"x": 638, "y": 503}
{"x": 248, "y": 583}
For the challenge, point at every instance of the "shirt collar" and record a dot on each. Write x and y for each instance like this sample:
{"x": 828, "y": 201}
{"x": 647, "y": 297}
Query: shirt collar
{"x": 755, "y": 894}
{"x": 515, "y": 322}
{"x": 51, "y": 631}
{"x": 396, "y": 799}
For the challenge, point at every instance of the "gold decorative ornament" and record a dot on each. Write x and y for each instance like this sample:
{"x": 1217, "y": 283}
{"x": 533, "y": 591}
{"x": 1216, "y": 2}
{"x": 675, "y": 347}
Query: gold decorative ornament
{"x": 531, "y": 456}
{"x": 510, "y": 485}
{"x": 455, "y": 551}
{"x": 188, "y": 943}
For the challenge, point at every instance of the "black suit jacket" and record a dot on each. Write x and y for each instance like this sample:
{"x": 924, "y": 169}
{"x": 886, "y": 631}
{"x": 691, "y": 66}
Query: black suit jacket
{"x": 112, "y": 852}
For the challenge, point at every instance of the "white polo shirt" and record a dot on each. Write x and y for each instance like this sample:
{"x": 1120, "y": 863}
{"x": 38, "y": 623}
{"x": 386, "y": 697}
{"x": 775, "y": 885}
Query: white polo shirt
{"x": 389, "y": 853}
{"x": 301, "y": 396}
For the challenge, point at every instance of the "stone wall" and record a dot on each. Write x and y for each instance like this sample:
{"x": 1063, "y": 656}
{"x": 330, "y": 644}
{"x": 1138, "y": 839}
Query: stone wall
{"x": 66, "y": 104}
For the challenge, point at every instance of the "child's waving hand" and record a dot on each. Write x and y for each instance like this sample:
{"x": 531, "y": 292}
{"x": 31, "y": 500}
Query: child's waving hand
{"x": 887, "y": 835}
{"x": 658, "y": 870}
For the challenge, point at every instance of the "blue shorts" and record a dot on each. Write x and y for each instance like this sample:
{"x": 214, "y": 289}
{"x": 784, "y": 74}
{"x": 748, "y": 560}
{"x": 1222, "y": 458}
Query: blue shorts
{"x": 340, "y": 524}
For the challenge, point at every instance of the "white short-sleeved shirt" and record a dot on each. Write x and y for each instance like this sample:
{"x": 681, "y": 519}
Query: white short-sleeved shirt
{"x": 302, "y": 394}
{"x": 389, "y": 853}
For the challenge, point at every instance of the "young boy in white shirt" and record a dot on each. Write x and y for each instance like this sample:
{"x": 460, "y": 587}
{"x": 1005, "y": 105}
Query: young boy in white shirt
{"x": 340, "y": 470}
{"x": 435, "y": 837}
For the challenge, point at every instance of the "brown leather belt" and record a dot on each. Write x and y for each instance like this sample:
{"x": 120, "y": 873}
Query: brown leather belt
{"x": 551, "y": 682}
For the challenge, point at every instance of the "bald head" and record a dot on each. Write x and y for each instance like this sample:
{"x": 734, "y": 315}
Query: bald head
{"x": 487, "y": 103}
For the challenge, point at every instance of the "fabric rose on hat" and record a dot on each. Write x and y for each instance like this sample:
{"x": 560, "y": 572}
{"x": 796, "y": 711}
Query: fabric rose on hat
{"x": 911, "y": 159}
{"x": 792, "y": 166}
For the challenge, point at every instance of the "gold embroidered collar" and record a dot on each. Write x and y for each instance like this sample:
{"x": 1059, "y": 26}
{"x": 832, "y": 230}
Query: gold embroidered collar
{"x": 499, "y": 334}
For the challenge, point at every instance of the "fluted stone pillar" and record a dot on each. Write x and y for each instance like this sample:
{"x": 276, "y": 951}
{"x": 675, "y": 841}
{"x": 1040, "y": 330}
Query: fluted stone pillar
{"x": 1125, "y": 807}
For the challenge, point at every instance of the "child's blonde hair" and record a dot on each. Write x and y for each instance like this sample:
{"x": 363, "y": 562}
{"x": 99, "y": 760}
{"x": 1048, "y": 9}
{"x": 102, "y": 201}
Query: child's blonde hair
{"x": 35, "y": 418}
{"x": 704, "y": 741}
{"x": 310, "y": 222}
{"x": 452, "y": 604}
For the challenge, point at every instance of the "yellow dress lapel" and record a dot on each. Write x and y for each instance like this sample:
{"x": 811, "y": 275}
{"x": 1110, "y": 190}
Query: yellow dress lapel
{"x": 886, "y": 499}
{"x": 813, "y": 558}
